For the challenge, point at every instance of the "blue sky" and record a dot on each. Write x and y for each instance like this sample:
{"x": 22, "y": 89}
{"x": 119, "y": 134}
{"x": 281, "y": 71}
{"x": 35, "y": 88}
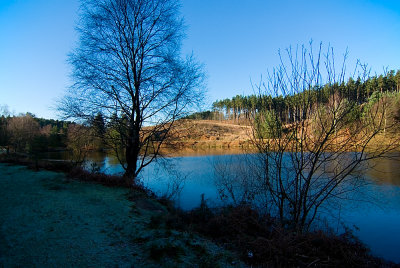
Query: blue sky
{"x": 237, "y": 41}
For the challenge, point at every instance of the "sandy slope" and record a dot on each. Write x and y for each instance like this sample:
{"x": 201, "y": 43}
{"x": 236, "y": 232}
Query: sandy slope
{"x": 50, "y": 221}
{"x": 210, "y": 133}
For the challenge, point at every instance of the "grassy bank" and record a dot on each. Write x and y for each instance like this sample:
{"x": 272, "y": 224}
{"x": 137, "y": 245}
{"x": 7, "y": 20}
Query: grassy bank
{"x": 49, "y": 220}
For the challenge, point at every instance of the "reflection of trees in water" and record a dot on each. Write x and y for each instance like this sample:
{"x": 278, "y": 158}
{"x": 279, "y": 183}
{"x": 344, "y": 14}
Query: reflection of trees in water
{"x": 386, "y": 170}
{"x": 242, "y": 179}
{"x": 235, "y": 180}
{"x": 166, "y": 172}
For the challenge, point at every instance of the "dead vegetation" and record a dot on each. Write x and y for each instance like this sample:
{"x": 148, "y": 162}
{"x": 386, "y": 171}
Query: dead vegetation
{"x": 200, "y": 134}
{"x": 261, "y": 243}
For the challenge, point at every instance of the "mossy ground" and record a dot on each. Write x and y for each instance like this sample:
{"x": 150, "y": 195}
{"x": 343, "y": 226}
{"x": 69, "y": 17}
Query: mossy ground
{"x": 49, "y": 220}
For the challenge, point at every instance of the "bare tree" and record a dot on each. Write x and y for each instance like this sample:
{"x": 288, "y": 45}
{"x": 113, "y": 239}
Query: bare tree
{"x": 79, "y": 140}
{"x": 128, "y": 66}
{"x": 4, "y": 110}
{"x": 4, "y": 114}
{"x": 21, "y": 131}
{"x": 314, "y": 156}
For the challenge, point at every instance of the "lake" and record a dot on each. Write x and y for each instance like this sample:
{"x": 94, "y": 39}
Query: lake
{"x": 375, "y": 219}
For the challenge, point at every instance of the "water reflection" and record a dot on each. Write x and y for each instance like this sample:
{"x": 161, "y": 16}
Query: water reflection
{"x": 386, "y": 170}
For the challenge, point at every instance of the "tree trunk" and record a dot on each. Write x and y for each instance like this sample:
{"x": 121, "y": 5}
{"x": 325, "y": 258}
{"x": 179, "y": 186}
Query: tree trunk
{"x": 131, "y": 160}
{"x": 132, "y": 155}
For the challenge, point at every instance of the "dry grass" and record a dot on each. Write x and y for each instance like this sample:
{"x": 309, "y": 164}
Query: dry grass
{"x": 207, "y": 134}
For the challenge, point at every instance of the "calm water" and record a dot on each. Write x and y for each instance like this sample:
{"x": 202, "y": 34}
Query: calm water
{"x": 375, "y": 220}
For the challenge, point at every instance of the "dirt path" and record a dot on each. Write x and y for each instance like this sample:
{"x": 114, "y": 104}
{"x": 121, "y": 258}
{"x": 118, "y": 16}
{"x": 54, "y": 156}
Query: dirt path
{"x": 50, "y": 221}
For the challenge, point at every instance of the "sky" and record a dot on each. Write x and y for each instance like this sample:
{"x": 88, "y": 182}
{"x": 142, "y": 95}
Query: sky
{"x": 236, "y": 40}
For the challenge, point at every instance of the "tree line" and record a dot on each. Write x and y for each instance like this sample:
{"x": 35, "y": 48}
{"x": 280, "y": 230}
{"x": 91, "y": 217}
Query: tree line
{"x": 241, "y": 109}
{"x": 25, "y": 133}
{"x": 28, "y": 134}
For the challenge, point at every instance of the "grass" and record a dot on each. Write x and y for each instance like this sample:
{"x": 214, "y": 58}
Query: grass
{"x": 72, "y": 171}
{"x": 49, "y": 220}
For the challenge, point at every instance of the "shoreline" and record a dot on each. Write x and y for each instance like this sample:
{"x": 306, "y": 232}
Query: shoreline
{"x": 191, "y": 220}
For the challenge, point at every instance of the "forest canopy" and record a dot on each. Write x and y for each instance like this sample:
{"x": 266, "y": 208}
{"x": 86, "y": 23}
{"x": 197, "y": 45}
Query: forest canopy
{"x": 242, "y": 108}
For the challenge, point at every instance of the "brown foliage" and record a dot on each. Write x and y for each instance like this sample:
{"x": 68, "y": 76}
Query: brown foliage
{"x": 260, "y": 242}
{"x": 22, "y": 130}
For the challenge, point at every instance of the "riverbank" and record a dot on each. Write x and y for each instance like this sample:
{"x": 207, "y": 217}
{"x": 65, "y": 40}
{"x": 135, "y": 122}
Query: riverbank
{"x": 50, "y": 220}
{"x": 86, "y": 221}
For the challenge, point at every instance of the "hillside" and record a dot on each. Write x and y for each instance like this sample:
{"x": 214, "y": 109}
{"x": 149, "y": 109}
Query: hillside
{"x": 197, "y": 135}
